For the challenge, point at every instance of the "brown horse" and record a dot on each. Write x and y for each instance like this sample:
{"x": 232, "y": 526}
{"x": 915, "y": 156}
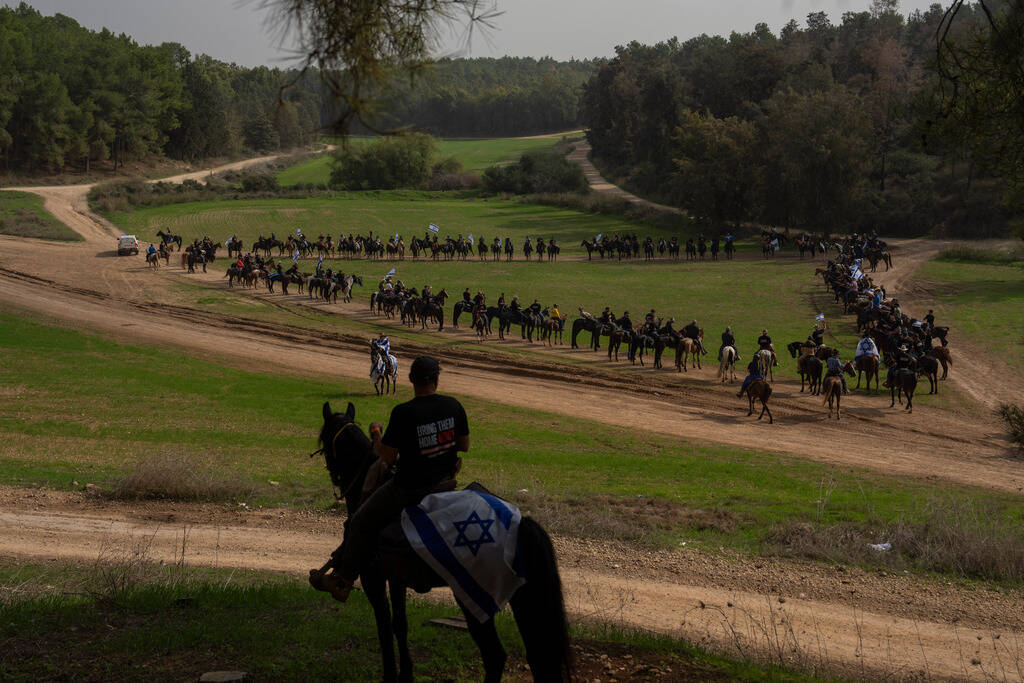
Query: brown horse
{"x": 941, "y": 354}
{"x": 867, "y": 365}
{"x": 904, "y": 381}
{"x": 551, "y": 328}
{"x": 688, "y": 349}
{"x": 761, "y": 390}
{"x": 833, "y": 389}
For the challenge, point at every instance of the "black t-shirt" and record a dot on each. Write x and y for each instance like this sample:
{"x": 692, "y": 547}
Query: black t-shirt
{"x": 764, "y": 341}
{"x": 424, "y": 430}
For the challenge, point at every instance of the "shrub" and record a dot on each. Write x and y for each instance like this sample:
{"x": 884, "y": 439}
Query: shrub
{"x": 539, "y": 171}
{"x": 1013, "y": 416}
{"x": 388, "y": 164}
{"x": 177, "y": 476}
{"x": 259, "y": 182}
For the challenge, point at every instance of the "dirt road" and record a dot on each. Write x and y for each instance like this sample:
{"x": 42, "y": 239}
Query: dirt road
{"x": 864, "y": 622}
{"x": 893, "y": 625}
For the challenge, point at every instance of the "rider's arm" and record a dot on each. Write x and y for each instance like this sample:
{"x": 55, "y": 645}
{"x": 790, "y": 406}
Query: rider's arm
{"x": 388, "y": 454}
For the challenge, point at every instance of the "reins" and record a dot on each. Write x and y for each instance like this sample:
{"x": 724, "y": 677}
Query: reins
{"x": 334, "y": 442}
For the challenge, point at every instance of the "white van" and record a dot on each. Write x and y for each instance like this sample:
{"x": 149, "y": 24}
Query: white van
{"x": 127, "y": 244}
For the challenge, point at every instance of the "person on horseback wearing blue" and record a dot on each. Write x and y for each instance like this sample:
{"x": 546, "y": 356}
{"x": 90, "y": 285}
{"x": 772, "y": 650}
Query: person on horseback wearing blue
{"x": 422, "y": 441}
{"x": 753, "y": 372}
{"x": 834, "y": 368}
{"x": 692, "y": 331}
{"x": 728, "y": 339}
{"x": 765, "y": 342}
{"x": 901, "y": 360}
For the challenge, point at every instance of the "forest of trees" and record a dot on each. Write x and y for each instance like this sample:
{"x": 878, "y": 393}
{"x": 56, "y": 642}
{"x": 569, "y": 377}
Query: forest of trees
{"x": 822, "y": 127}
{"x": 70, "y": 97}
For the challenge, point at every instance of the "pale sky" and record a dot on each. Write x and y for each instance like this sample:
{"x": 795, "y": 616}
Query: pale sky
{"x": 234, "y": 31}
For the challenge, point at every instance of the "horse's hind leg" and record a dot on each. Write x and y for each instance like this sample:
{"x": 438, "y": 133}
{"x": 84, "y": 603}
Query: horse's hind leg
{"x": 492, "y": 653}
{"x": 400, "y": 626}
{"x": 376, "y": 593}
{"x": 764, "y": 409}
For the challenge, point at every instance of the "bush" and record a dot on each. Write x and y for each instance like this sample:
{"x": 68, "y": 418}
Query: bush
{"x": 176, "y": 476}
{"x": 539, "y": 171}
{"x": 388, "y": 164}
{"x": 454, "y": 181}
{"x": 1013, "y": 416}
{"x": 259, "y": 182}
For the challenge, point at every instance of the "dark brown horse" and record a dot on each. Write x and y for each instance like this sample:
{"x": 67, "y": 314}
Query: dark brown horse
{"x": 904, "y": 381}
{"x": 941, "y": 354}
{"x": 833, "y": 389}
{"x": 538, "y": 605}
{"x": 617, "y": 339}
{"x": 868, "y": 366}
{"x": 762, "y": 391}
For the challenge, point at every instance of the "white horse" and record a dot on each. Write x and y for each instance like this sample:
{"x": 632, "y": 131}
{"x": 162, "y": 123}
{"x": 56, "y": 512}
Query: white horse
{"x": 728, "y": 364}
{"x": 764, "y": 361}
{"x": 383, "y": 370}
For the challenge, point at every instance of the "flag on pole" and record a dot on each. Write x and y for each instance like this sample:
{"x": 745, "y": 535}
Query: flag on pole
{"x": 396, "y": 238}
{"x": 298, "y": 231}
{"x": 320, "y": 262}
{"x": 470, "y": 238}
{"x": 820, "y": 317}
{"x": 390, "y": 273}
{"x": 433, "y": 228}
{"x": 228, "y": 241}
{"x": 599, "y": 236}
{"x": 295, "y": 256}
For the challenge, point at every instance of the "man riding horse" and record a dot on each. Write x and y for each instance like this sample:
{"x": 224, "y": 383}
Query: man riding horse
{"x": 728, "y": 339}
{"x": 692, "y": 331}
{"x": 765, "y": 342}
{"x": 423, "y": 439}
{"x": 753, "y": 372}
{"x": 835, "y": 368}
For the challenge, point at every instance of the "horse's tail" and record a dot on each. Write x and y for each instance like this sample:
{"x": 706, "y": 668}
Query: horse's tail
{"x": 539, "y": 607}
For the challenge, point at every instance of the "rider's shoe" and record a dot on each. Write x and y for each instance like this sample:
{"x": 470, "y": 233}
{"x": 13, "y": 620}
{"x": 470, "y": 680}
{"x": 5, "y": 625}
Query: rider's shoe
{"x": 338, "y": 587}
{"x": 886, "y": 384}
{"x": 740, "y": 395}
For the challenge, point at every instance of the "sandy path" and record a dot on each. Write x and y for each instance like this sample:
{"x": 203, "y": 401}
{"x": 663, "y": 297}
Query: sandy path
{"x": 779, "y": 609}
{"x": 581, "y": 155}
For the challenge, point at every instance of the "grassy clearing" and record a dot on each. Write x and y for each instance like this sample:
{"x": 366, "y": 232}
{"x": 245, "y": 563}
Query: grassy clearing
{"x": 475, "y": 155}
{"x": 980, "y": 301}
{"x": 177, "y": 623}
{"x": 580, "y": 478}
{"x": 22, "y": 215}
{"x": 999, "y": 255}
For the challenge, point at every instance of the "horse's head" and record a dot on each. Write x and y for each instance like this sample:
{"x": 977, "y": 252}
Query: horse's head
{"x": 345, "y": 447}
{"x": 794, "y": 348}
{"x": 848, "y": 368}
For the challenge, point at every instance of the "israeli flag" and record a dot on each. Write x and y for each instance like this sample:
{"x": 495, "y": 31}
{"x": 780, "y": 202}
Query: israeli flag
{"x": 470, "y": 539}
{"x": 857, "y": 274}
{"x": 298, "y": 231}
{"x": 599, "y": 236}
{"x": 433, "y": 228}
{"x": 295, "y": 256}
{"x": 819, "y": 317}
{"x": 470, "y": 239}
{"x": 320, "y": 262}
{"x": 390, "y": 273}
{"x": 228, "y": 241}
{"x": 396, "y": 238}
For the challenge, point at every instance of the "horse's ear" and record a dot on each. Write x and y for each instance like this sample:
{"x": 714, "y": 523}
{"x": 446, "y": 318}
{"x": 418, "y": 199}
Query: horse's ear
{"x": 327, "y": 411}
{"x": 351, "y": 411}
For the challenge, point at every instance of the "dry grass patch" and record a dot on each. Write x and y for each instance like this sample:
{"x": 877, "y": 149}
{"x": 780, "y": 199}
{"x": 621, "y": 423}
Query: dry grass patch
{"x": 621, "y": 519}
{"x": 965, "y": 539}
{"x": 174, "y": 475}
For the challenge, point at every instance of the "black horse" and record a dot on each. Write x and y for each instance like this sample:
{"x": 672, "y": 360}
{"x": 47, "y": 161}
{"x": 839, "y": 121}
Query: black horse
{"x": 538, "y": 605}
{"x": 595, "y": 328}
{"x": 167, "y": 238}
{"x": 904, "y": 381}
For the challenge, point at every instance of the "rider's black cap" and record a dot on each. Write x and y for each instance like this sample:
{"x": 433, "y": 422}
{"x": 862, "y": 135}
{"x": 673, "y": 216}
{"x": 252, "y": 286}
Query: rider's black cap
{"x": 424, "y": 369}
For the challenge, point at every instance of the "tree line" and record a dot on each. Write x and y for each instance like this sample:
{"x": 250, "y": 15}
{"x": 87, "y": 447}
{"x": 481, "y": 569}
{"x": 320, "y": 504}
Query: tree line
{"x": 71, "y": 97}
{"x": 822, "y": 127}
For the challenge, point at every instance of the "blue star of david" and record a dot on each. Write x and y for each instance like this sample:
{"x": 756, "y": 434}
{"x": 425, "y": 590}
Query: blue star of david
{"x": 462, "y": 541}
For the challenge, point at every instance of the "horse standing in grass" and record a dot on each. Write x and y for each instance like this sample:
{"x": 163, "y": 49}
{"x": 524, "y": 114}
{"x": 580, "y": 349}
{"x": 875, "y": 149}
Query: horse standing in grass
{"x": 383, "y": 370}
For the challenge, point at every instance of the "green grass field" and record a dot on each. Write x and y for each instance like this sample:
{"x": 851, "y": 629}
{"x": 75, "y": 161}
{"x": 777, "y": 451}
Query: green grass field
{"x": 476, "y": 154}
{"x": 176, "y": 623}
{"x": 22, "y": 215}
{"x": 81, "y": 408}
{"x": 981, "y": 302}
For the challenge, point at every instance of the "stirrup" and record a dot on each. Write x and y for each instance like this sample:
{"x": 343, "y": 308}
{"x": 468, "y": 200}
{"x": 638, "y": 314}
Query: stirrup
{"x": 338, "y": 587}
